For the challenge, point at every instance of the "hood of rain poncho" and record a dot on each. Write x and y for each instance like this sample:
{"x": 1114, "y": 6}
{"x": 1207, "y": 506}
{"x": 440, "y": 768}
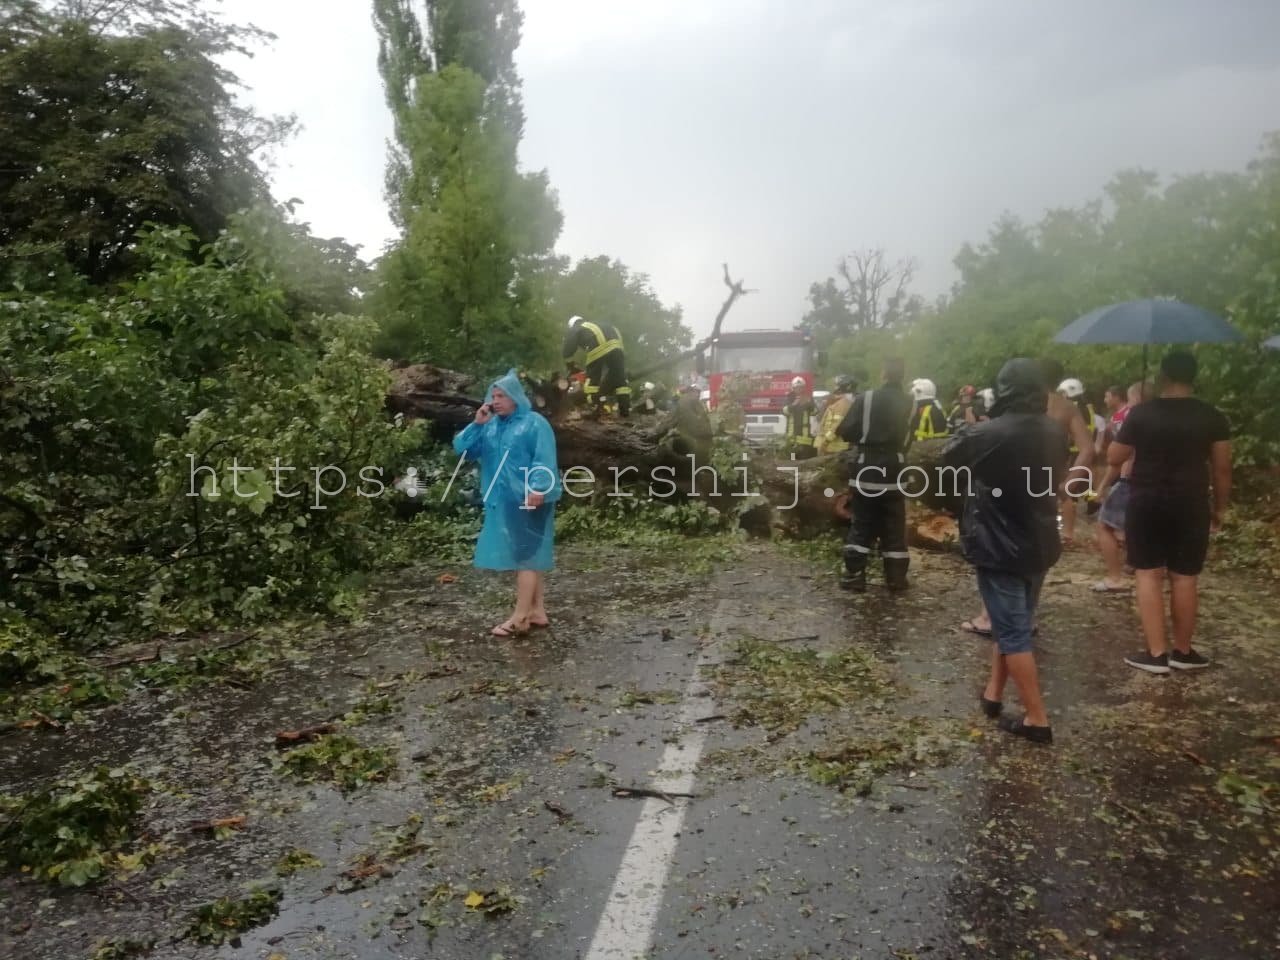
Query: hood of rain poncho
{"x": 509, "y": 383}
{"x": 1020, "y": 388}
{"x": 517, "y": 455}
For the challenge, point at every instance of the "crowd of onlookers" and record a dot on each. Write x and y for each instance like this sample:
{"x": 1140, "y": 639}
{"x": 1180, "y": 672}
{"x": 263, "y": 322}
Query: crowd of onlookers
{"x": 1145, "y": 461}
{"x": 1154, "y": 463}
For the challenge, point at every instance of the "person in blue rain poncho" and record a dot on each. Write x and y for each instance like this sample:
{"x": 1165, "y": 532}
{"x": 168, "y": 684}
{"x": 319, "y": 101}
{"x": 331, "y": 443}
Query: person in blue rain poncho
{"x": 520, "y": 484}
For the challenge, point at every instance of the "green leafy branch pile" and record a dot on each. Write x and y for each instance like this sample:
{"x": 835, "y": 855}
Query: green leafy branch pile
{"x": 340, "y": 760}
{"x": 779, "y": 687}
{"x": 856, "y": 764}
{"x": 224, "y": 919}
{"x": 71, "y": 832}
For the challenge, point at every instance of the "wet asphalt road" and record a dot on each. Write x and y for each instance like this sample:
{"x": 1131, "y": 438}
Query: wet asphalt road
{"x": 1111, "y": 844}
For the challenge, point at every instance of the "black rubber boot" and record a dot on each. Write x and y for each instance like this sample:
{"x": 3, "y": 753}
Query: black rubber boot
{"x": 895, "y": 574}
{"x": 854, "y": 579}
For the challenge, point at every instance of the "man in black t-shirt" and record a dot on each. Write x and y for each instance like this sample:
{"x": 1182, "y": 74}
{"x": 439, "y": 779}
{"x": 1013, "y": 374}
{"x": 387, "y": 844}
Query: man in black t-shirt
{"x": 1180, "y": 445}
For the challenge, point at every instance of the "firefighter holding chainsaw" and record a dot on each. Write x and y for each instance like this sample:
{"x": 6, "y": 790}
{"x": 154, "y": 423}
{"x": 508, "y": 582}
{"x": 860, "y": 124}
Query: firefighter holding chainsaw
{"x": 605, "y": 362}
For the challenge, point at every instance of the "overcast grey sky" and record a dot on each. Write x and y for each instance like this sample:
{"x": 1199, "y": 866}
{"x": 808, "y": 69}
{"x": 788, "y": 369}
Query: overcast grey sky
{"x": 780, "y": 135}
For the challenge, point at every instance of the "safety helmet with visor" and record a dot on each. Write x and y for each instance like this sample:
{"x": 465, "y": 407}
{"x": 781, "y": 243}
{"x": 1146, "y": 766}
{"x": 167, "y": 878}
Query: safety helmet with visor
{"x": 922, "y": 389}
{"x": 1071, "y": 388}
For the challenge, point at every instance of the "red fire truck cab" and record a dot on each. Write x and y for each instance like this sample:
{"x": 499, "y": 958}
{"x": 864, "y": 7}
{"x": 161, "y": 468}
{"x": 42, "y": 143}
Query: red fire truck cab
{"x": 772, "y": 358}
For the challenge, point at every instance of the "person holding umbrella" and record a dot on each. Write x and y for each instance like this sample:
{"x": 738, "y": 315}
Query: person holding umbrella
{"x": 1180, "y": 445}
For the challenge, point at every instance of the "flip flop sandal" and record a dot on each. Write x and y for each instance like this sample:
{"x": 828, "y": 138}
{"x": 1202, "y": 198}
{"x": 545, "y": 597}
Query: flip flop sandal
{"x": 1103, "y": 587}
{"x": 539, "y": 624}
{"x": 991, "y": 708}
{"x": 970, "y": 627}
{"x": 507, "y": 629}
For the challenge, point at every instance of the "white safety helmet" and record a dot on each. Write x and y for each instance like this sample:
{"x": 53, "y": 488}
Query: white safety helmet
{"x": 574, "y": 321}
{"x": 648, "y": 385}
{"x": 797, "y": 382}
{"x": 988, "y": 397}
{"x": 923, "y": 389}
{"x": 1071, "y": 388}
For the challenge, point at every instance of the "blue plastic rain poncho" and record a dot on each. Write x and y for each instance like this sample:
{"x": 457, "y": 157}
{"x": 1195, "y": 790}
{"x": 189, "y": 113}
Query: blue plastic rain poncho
{"x": 517, "y": 454}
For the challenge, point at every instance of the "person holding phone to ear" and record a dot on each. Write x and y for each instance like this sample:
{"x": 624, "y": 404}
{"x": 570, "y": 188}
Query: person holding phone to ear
{"x": 520, "y": 484}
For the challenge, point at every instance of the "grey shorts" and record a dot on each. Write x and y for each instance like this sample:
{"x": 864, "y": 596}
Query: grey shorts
{"x": 1115, "y": 507}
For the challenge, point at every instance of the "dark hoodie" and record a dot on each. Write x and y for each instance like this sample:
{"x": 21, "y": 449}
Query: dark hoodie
{"x": 1022, "y": 453}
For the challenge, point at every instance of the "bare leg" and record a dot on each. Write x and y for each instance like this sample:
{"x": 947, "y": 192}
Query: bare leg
{"x": 1068, "y": 508}
{"x": 1022, "y": 668}
{"x": 982, "y": 621}
{"x": 1109, "y": 547}
{"x": 539, "y": 610}
{"x": 1184, "y": 601}
{"x": 999, "y": 676}
{"x": 526, "y": 585}
{"x": 1151, "y": 608}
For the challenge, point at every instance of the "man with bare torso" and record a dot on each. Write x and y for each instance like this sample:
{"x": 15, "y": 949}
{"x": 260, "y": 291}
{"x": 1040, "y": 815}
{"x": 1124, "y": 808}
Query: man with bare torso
{"x": 1067, "y": 415}
{"x": 1114, "y": 496}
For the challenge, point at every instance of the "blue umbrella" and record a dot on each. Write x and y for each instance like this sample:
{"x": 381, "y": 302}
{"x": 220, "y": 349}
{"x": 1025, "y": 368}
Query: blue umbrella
{"x": 1147, "y": 322}
{"x": 1273, "y": 343}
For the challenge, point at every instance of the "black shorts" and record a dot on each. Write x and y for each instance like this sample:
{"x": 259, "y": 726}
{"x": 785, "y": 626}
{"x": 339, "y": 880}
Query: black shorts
{"x": 1170, "y": 532}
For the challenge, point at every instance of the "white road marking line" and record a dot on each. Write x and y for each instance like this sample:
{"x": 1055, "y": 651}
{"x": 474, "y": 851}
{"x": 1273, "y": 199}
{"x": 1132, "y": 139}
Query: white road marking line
{"x": 626, "y": 927}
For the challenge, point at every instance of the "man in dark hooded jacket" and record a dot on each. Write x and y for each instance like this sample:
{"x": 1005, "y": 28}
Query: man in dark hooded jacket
{"x": 1009, "y": 529}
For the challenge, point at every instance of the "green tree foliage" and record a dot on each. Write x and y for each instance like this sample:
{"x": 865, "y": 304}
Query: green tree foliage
{"x": 319, "y": 275}
{"x": 1208, "y": 239}
{"x": 108, "y": 403}
{"x": 598, "y": 288}
{"x": 1246, "y": 380}
{"x": 114, "y": 114}
{"x": 467, "y": 283}
{"x": 164, "y": 324}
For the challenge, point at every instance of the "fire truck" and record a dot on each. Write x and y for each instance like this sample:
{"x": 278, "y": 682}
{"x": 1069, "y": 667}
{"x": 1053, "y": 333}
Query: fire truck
{"x": 772, "y": 359}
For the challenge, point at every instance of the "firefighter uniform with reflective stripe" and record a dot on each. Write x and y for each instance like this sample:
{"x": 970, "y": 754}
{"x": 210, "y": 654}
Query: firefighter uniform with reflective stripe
{"x": 605, "y": 363}
{"x": 878, "y": 424}
{"x": 799, "y": 413}
{"x": 1090, "y": 420}
{"x": 928, "y": 422}
{"x": 828, "y": 441}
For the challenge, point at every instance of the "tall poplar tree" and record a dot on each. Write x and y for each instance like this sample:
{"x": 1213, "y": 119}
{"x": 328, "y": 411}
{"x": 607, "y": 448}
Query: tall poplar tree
{"x": 466, "y": 283}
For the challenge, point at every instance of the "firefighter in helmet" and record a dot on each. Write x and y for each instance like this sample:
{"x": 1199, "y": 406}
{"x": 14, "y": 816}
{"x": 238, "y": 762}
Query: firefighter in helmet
{"x": 838, "y": 405}
{"x": 987, "y": 400}
{"x": 877, "y": 425}
{"x": 1073, "y": 390}
{"x": 800, "y": 412}
{"x": 929, "y": 420}
{"x": 605, "y": 362}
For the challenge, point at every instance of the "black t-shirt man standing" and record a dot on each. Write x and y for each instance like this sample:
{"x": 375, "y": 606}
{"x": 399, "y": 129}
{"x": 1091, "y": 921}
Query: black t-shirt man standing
{"x": 1181, "y": 447}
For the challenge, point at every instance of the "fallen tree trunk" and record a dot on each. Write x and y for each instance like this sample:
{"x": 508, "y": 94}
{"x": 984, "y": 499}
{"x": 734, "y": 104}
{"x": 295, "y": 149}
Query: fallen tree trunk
{"x": 668, "y": 456}
{"x": 438, "y": 395}
{"x": 633, "y": 449}
{"x": 629, "y": 449}
{"x": 810, "y": 495}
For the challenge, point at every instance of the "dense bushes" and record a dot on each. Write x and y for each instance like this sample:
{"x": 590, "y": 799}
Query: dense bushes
{"x": 108, "y": 402}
